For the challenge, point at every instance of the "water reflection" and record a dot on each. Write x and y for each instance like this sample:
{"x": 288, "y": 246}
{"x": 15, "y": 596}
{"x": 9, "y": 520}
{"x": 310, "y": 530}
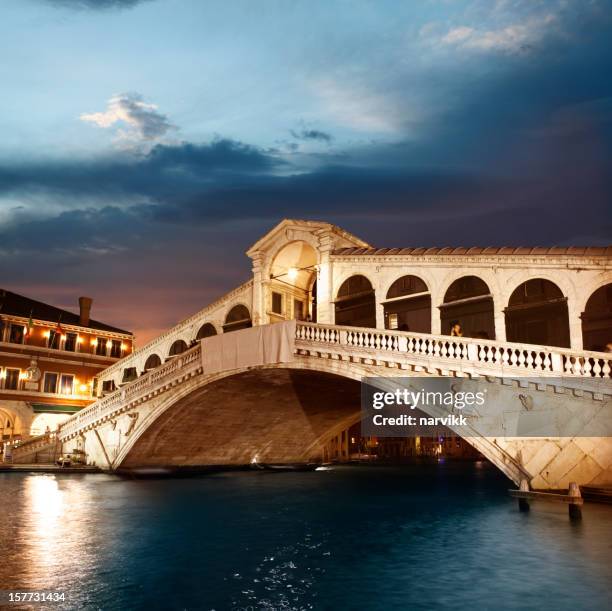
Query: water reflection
{"x": 427, "y": 536}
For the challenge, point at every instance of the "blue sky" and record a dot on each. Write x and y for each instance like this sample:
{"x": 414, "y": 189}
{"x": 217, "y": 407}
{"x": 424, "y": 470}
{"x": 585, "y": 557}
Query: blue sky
{"x": 168, "y": 135}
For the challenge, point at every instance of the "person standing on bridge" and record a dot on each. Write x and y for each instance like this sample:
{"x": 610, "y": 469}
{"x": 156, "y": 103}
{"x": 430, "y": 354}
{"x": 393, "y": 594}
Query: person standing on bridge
{"x": 455, "y": 329}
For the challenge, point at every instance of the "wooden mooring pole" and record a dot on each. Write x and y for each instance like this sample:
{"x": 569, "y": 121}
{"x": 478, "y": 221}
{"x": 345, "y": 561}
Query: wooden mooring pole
{"x": 573, "y": 498}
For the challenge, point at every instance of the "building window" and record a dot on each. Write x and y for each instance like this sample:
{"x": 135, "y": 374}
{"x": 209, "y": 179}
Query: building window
{"x": 108, "y": 386}
{"x": 54, "y": 340}
{"x": 101, "y": 347}
{"x": 298, "y": 309}
{"x": 50, "y": 382}
{"x": 115, "y": 351}
{"x": 17, "y": 334}
{"x": 71, "y": 342}
{"x": 11, "y": 381}
{"x": 277, "y": 303}
{"x": 67, "y": 384}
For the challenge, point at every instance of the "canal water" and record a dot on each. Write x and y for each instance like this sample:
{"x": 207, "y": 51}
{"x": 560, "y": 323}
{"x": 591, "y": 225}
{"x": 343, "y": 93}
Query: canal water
{"x": 423, "y": 536}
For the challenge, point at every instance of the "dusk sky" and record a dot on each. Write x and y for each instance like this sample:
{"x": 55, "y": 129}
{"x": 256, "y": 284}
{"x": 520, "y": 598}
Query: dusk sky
{"x": 145, "y": 145}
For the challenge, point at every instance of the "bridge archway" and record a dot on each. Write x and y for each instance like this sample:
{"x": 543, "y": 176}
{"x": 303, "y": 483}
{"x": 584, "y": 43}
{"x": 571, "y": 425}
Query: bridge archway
{"x": 177, "y": 347}
{"x": 537, "y": 314}
{"x": 355, "y": 304}
{"x": 293, "y": 273}
{"x": 9, "y": 425}
{"x": 153, "y": 361}
{"x": 408, "y": 305}
{"x": 468, "y": 300}
{"x": 237, "y": 318}
{"x": 206, "y": 330}
{"x": 597, "y": 320}
{"x": 269, "y": 414}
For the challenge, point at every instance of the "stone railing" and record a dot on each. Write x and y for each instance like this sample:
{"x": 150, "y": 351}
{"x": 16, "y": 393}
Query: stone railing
{"x": 479, "y": 356}
{"x": 165, "y": 374}
{"x": 490, "y": 355}
{"x": 195, "y": 320}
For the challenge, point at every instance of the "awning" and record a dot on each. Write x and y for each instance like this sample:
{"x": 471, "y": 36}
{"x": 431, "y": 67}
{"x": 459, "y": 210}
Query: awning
{"x": 55, "y": 408}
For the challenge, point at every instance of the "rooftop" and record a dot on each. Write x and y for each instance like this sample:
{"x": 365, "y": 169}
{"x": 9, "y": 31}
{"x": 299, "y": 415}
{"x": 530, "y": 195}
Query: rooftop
{"x": 478, "y": 250}
{"x": 18, "y": 305}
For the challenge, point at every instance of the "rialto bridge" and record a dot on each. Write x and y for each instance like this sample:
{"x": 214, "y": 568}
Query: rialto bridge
{"x": 534, "y": 324}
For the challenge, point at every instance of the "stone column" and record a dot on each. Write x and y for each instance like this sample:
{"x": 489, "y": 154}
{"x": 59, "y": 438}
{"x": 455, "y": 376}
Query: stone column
{"x": 436, "y": 300}
{"x": 258, "y": 307}
{"x": 500, "y": 321}
{"x": 325, "y": 307}
{"x": 575, "y": 324}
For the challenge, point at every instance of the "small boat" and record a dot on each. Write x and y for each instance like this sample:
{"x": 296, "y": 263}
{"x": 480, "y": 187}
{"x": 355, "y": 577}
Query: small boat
{"x": 285, "y": 467}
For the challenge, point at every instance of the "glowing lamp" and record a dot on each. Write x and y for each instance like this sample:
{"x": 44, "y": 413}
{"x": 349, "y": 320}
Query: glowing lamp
{"x": 109, "y": 343}
{"x": 94, "y": 342}
{"x": 79, "y": 340}
{"x": 64, "y": 337}
{"x": 23, "y": 375}
{"x": 83, "y": 387}
{"x": 3, "y": 374}
{"x": 123, "y": 347}
{"x": 47, "y": 334}
{"x": 292, "y": 273}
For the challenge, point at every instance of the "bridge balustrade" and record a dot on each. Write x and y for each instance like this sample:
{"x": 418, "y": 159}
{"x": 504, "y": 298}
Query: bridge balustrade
{"x": 491, "y": 356}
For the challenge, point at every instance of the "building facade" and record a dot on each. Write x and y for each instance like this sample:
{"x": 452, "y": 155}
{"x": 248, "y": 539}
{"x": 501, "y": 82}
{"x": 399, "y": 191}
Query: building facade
{"x": 49, "y": 360}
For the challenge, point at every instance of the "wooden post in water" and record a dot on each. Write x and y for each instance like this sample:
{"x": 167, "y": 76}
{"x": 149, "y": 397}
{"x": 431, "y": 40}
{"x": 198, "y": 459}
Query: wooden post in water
{"x": 522, "y": 502}
{"x": 575, "y": 511}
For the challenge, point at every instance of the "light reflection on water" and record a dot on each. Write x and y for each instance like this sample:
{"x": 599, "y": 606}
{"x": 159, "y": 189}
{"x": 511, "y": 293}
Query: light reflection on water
{"x": 417, "y": 537}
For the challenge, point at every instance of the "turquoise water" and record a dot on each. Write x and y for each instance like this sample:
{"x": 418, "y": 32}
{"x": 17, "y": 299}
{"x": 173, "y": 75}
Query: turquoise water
{"x": 428, "y": 536}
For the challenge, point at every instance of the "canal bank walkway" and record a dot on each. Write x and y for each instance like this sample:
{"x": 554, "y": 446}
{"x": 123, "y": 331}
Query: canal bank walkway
{"x": 47, "y": 468}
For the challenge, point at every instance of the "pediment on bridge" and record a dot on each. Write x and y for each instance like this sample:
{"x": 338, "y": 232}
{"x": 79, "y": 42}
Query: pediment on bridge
{"x": 289, "y": 230}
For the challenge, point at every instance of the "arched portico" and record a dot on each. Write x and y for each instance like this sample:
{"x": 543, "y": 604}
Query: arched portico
{"x": 407, "y": 305}
{"x": 597, "y": 320}
{"x": 291, "y": 285}
{"x": 469, "y": 302}
{"x": 355, "y": 303}
{"x": 537, "y": 313}
{"x": 237, "y": 318}
{"x": 206, "y": 330}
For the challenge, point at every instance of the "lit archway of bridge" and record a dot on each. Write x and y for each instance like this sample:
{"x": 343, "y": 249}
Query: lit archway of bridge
{"x": 153, "y": 361}
{"x": 408, "y": 305}
{"x": 355, "y": 303}
{"x": 266, "y": 415}
{"x": 597, "y": 320}
{"x": 237, "y": 318}
{"x": 468, "y": 302}
{"x": 292, "y": 282}
{"x": 537, "y": 314}
{"x": 206, "y": 330}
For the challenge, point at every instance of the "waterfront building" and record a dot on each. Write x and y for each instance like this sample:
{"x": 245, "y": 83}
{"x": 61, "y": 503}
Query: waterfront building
{"x": 49, "y": 359}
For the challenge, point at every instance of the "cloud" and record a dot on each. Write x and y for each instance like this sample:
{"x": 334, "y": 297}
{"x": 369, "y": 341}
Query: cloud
{"x": 511, "y": 38}
{"x": 312, "y": 134}
{"x": 142, "y": 120}
{"x": 95, "y": 5}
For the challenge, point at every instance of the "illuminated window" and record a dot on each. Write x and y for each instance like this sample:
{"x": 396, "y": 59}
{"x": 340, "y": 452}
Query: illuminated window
{"x": 67, "y": 384}
{"x": 11, "y": 381}
{"x": 71, "y": 342}
{"x": 101, "y": 347}
{"x": 115, "y": 350}
{"x": 54, "y": 339}
{"x": 17, "y": 334}
{"x": 50, "y": 382}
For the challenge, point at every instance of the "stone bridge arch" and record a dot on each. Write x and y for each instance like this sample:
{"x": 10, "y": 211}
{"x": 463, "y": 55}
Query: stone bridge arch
{"x": 269, "y": 414}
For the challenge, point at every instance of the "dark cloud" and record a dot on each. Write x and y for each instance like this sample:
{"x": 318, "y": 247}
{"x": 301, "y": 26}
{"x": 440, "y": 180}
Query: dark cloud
{"x": 312, "y": 134}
